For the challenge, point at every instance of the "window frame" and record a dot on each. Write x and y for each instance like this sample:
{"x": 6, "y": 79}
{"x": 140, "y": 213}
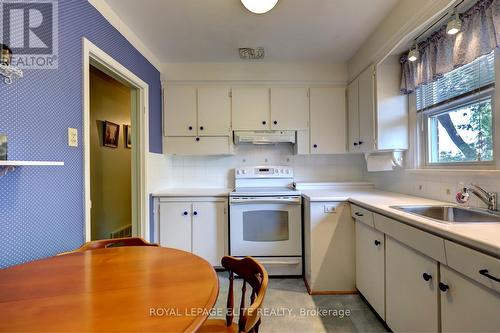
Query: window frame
{"x": 417, "y": 151}
{"x": 473, "y": 97}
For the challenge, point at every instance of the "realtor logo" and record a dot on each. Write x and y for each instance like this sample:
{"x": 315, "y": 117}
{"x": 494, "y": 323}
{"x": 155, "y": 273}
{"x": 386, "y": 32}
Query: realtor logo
{"x": 30, "y": 29}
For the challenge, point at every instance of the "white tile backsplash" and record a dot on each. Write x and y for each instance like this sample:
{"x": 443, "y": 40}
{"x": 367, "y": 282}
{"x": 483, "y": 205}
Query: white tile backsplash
{"x": 217, "y": 171}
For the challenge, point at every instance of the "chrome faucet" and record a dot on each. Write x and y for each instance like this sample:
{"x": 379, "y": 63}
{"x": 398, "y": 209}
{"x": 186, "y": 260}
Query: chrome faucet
{"x": 489, "y": 198}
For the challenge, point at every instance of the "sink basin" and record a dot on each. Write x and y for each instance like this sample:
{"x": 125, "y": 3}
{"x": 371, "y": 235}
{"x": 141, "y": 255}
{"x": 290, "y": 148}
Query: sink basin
{"x": 451, "y": 214}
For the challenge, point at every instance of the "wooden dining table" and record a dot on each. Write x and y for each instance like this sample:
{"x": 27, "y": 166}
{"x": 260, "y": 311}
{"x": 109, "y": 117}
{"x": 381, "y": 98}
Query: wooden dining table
{"x": 123, "y": 289}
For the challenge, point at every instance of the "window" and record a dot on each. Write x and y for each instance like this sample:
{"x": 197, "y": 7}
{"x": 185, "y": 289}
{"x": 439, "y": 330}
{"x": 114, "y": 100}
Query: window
{"x": 457, "y": 111}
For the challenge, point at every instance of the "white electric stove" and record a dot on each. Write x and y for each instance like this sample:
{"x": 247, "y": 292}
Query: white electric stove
{"x": 265, "y": 218}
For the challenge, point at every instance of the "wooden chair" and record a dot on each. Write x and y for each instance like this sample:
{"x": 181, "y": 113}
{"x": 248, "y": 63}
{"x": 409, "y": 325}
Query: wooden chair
{"x": 253, "y": 273}
{"x": 107, "y": 243}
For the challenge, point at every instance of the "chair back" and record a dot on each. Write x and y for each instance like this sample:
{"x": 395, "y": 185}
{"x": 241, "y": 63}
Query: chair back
{"x": 255, "y": 275}
{"x": 108, "y": 243}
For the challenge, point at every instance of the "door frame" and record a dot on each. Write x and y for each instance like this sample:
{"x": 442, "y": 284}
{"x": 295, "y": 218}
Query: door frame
{"x": 94, "y": 55}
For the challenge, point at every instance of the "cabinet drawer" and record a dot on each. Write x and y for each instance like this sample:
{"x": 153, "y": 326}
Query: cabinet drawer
{"x": 421, "y": 241}
{"x": 471, "y": 262}
{"x": 203, "y": 146}
{"x": 362, "y": 215}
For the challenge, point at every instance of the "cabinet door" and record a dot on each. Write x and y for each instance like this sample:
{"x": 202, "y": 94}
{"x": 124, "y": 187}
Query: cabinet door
{"x": 411, "y": 296}
{"x": 209, "y": 220}
{"x": 467, "y": 306}
{"x": 250, "y": 108}
{"x": 370, "y": 271}
{"x": 328, "y": 120}
{"x": 214, "y": 111}
{"x": 289, "y": 108}
{"x": 353, "y": 116}
{"x": 175, "y": 225}
{"x": 331, "y": 232}
{"x": 180, "y": 111}
{"x": 366, "y": 110}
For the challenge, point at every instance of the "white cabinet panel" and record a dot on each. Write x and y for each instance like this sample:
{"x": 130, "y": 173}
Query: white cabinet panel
{"x": 208, "y": 230}
{"x": 214, "y": 111}
{"x": 289, "y": 108}
{"x": 175, "y": 225}
{"x": 411, "y": 296}
{"x": 328, "y": 120}
{"x": 353, "y": 116}
{"x": 467, "y": 306}
{"x": 370, "y": 266}
{"x": 180, "y": 111}
{"x": 198, "y": 146}
{"x": 329, "y": 243}
{"x": 366, "y": 104}
{"x": 250, "y": 108}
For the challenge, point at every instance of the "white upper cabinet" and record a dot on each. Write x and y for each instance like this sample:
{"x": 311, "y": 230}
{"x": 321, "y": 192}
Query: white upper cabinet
{"x": 328, "y": 120}
{"x": 214, "y": 111}
{"x": 289, "y": 108}
{"x": 377, "y": 112}
{"x": 180, "y": 111}
{"x": 250, "y": 107}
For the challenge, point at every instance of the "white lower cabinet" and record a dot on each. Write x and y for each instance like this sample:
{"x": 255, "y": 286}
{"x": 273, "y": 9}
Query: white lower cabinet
{"x": 466, "y": 305}
{"x": 411, "y": 289}
{"x": 370, "y": 266}
{"x": 329, "y": 250}
{"x": 197, "y": 226}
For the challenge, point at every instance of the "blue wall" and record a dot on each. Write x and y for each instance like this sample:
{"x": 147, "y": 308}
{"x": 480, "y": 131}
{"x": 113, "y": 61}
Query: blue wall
{"x": 41, "y": 208}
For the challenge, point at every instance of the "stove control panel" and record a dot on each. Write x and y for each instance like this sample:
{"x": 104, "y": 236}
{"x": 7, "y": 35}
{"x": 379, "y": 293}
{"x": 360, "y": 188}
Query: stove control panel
{"x": 267, "y": 171}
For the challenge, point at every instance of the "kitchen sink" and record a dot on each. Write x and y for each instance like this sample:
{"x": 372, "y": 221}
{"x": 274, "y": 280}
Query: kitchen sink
{"x": 452, "y": 214}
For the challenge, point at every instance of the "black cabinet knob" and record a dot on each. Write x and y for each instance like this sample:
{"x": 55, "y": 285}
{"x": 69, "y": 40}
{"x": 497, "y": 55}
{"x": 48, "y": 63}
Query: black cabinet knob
{"x": 358, "y": 214}
{"x": 427, "y": 276}
{"x": 355, "y": 143}
{"x": 197, "y": 139}
{"x": 195, "y": 213}
{"x": 201, "y": 128}
{"x": 190, "y": 128}
{"x": 360, "y": 142}
{"x": 264, "y": 122}
{"x": 275, "y": 122}
{"x": 185, "y": 213}
{"x": 315, "y": 146}
{"x": 443, "y": 287}
{"x": 377, "y": 242}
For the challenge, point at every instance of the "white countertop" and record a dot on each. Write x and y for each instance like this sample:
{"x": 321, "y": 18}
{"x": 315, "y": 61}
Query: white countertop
{"x": 484, "y": 237}
{"x": 193, "y": 192}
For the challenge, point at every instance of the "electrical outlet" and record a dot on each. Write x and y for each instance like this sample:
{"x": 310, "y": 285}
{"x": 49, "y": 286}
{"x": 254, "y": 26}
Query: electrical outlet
{"x": 72, "y": 137}
{"x": 329, "y": 209}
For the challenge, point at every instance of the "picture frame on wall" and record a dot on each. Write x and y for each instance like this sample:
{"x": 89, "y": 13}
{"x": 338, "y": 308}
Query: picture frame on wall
{"x": 111, "y": 134}
{"x": 128, "y": 136}
{"x": 3, "y": 147}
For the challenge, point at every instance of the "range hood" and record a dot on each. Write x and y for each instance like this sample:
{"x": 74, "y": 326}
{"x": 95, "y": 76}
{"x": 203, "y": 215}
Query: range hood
{"x": 264, "y": 137}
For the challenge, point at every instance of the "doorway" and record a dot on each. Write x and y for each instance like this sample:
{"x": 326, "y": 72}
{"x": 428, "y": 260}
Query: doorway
{"x": 121, "y": 81}
{"x": 110, "y": 156}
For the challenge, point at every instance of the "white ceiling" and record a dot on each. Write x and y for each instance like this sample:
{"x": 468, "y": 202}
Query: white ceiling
{"x": 213, "y": 30}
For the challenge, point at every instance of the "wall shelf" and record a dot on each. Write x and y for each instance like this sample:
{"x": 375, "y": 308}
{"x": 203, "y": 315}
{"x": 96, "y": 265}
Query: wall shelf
{"x": 9, "y": 166}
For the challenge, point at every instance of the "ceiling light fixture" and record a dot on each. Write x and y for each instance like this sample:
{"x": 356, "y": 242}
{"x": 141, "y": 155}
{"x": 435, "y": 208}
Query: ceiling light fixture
{"x": 413, "y": 54}
{"x": 251, "y": 53}
{"x": 259, "y": 6}
{"x": 454, "y": 25}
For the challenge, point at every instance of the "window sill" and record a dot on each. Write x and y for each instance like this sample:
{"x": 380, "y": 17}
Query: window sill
{"x": 452, "y": 170}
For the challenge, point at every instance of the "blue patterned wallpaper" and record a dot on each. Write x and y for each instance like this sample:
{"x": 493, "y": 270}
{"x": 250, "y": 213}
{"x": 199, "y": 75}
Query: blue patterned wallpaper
{"x": 41, "y": 208}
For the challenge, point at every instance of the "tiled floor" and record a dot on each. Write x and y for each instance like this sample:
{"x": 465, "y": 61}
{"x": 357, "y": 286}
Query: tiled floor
{"x": 292, "y": 309}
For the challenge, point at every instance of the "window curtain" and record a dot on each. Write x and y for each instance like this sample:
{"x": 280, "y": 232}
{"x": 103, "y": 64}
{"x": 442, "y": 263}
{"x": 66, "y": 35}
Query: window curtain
{"x": 442, "y": 53}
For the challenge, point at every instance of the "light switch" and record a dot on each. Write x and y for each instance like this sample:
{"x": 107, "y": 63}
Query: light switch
{"x": 330, "y": 209}
{"x": 72, "y": 137}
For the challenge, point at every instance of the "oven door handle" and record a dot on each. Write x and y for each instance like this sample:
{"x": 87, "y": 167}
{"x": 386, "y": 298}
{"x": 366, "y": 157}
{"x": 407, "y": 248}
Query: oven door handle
{"x": 291, "y": 201}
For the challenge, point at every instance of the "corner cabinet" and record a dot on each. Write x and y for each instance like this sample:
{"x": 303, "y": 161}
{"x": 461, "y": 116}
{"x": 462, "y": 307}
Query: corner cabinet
{"x": 196, "y": 225}
{"x": 377, "y": 112}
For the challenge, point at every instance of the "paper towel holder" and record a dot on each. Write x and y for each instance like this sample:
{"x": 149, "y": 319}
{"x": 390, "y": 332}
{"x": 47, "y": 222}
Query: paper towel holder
{"x": 397, "y": 156}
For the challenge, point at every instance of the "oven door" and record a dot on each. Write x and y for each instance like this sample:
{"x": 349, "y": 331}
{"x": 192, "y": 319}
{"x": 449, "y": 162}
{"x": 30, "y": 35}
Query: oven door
{"x": 265, "y": 226}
